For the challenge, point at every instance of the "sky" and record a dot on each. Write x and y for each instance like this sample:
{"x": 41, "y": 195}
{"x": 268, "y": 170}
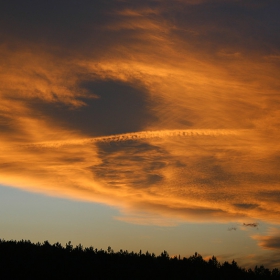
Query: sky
{"x": 149, "y": 125}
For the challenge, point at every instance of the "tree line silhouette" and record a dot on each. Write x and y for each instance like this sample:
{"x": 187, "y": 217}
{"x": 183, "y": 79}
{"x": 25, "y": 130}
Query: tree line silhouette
{"x": 26, "y": 260}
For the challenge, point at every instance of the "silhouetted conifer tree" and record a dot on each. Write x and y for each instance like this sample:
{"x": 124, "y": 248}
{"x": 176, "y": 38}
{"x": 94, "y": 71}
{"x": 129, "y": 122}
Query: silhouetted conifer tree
{"x": 25, "y": 260}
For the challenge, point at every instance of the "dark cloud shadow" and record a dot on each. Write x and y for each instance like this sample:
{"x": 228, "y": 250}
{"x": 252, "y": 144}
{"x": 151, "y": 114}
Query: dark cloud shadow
{"x": 244, "y": 206}
{"x": 234, "y": 25}
{"x": 269, "y": 242}
{"x": 54, "y": 22}
{"x": 136, "y": 164}
{"x": 112, "y": 107}
{"x": 81, "y": 26}
{"x": 6, "y": 125}
{"x": 67, "y": 26}
{"x": 270, "y": 195}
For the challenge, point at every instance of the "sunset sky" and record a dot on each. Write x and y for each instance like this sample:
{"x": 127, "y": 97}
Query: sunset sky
{"x": 149, "y": 124}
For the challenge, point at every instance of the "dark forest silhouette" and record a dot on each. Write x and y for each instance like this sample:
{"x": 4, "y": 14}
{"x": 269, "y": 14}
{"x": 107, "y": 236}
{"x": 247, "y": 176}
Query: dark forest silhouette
{"x": 26, "y": 260}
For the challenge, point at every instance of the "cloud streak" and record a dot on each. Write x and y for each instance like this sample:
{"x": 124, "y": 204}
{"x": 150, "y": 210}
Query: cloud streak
{"x": 271, "y": 241}
{"x": 253, "y": 225}
{"x": 140, "y": 136}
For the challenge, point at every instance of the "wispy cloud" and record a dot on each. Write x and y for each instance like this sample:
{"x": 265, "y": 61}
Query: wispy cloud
{"x": 253, "y": 225}
{"x": 168, "y": 107}
{"x": 270, "y": 241}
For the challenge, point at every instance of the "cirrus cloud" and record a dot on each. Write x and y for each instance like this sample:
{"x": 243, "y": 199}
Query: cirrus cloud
{"x": 168, "y": 110}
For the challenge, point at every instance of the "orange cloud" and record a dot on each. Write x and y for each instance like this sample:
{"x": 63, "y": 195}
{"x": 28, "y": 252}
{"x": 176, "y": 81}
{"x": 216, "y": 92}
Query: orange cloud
{"x": 148, "y": 116}
{"x": 271, "y": 241}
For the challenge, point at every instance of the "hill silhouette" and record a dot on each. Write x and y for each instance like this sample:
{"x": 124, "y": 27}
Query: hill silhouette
{"x": 26, "y": 260}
